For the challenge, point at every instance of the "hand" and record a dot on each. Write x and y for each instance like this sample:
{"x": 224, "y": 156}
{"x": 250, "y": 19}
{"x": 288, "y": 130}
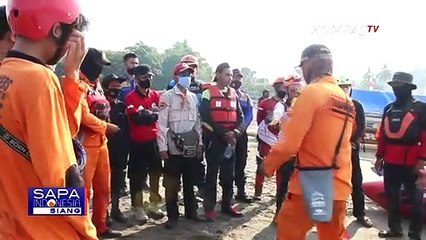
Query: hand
{"x": 200, "y": 151}
{"x": 76, "y": 50}
{"x": 378, "y": 165}
{"x": 419, "y": 166}
{"x": 421, "y": 181}
{"x": 229, "y": 137}
{"x": 112, "y": 129}
{"x": 164, "y": 155}
{"x": 73, "y": 177}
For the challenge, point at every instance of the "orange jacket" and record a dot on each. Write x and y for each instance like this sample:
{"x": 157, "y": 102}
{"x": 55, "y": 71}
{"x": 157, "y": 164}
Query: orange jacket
{"x": 313, "y": 131}
{"x": 33, "y": 110}
{"x": 74, "y": 94}
{"x": 92, "y": 128}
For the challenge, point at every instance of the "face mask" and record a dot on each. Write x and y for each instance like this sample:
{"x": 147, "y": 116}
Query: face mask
{"x": 112, "y": 93}
{"x": 144, "y": 84}
{"x": 131, "y": 71}
{"x": 402, "y": 93}
{"x": 281, "y": 94}
{"x": 236, "y": 84}
{"x": 184, "y": 81}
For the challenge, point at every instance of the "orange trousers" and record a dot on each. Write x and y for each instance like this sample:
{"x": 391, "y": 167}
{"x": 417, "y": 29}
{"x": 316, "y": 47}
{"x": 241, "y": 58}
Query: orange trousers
{"x": 97, "y": 175}
{"x": 294, "y": 222}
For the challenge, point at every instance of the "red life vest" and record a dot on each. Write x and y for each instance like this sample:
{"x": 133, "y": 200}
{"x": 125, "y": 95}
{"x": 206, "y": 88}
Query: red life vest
{"x": 400, "y": 125}
{"x": 223, "y": 108}
{"x": 98, "y": 104}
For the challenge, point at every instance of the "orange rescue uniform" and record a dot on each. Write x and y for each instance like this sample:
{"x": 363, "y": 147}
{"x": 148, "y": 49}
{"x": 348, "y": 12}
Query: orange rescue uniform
{"x": 96, "y": 173}
{"x": 32, "y": 108}
{"x": 313, "y": 131}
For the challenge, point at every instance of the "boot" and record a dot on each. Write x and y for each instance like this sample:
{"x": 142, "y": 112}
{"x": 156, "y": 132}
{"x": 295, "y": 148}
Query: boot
{"x": 118, "y": 216}
{"x": 242, "y": 197}
{"x": 257, "y": 193}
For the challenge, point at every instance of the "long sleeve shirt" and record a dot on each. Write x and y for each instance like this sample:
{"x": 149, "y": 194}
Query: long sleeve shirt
{"x": 313, "y": 131}
{"x": 246, "y": 107}
{"x": 178, "y": 112}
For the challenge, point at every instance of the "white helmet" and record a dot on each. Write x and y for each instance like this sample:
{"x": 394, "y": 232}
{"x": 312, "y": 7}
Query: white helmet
{"x": 341, "y": 81}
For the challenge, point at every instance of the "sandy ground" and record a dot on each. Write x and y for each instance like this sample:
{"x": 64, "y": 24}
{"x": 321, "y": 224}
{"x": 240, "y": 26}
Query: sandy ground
{"x": 256, "y": 223}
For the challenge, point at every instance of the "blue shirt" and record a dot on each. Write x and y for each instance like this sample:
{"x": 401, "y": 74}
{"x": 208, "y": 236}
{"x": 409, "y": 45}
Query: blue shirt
{"x": 246, "y": 106}
{"x": 126, "y": 87}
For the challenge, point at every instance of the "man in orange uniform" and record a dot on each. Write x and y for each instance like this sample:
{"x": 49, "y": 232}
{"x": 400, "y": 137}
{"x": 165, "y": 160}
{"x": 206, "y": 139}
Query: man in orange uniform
{"x": 321, "y": 118}
{"x": 94, "y": 127}
{"x": 35, "y": 139}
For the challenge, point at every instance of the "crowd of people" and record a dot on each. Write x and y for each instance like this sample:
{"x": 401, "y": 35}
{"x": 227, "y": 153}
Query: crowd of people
{"x": 92, "y": 131}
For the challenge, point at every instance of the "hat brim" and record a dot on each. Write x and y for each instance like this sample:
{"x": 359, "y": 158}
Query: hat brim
{"x": 104, "y": 62}
{"x": 184, "y": 69}
{"x": 396, "y": 83}
{"x": 191, "y": 64}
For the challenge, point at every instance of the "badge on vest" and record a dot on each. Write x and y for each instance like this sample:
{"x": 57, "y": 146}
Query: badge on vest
{"x": 218, "y": 104}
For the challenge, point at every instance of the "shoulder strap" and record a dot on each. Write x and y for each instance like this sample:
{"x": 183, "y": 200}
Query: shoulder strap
{"x": 336, "y": 150}
{"x": 339, "y": 142}
{"x": 14, "y": 143}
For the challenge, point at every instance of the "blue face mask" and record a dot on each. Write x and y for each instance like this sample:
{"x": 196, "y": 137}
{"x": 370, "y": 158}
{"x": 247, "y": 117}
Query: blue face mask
{"x": 184, "y": 81}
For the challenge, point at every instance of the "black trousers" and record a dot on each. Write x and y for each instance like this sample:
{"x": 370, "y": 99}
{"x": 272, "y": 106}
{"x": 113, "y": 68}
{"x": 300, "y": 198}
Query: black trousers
{"x": 358, "y": 198}
{"x": 394, "y": 177}
{"x": 215, "y": 148}
{"x": 241, "y": 153}
{"x": 144, "y": 159}
{"x": 176, "y": 167}
{"x": 286, "y": 171}
{"x": 199, "y": 172}
{"x": 118, "y": 154}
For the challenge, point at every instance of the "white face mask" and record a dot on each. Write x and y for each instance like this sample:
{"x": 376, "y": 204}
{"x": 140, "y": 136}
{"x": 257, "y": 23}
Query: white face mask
{"x": 184, "y": 81}
{"x": 347, "y": 90}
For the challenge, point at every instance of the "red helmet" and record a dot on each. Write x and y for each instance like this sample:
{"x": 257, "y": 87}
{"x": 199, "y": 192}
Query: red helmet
{"x": 181, "y": 67}
{"x": 293, "y": 80}
{"x": 280, "y": 80}
{"x": 190, "y": 60}
{"x": 34, "y": 19}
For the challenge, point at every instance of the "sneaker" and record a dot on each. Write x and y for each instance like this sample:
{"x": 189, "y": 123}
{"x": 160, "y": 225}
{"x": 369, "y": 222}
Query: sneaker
{"x": 210, "y": 215}
{"x": 232, "y": 212}
{"x": 242, "y": 197}
{"x": 154, "y": 211}
{"x": 140, "y": 215}
{"x": 110, "y": 234}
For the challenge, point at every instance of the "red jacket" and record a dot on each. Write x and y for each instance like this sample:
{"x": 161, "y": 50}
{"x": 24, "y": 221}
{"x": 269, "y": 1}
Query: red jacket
{"x": 265, "y": 107}
{"x": 135, "y": 99}
{"x": 402, "y": 154}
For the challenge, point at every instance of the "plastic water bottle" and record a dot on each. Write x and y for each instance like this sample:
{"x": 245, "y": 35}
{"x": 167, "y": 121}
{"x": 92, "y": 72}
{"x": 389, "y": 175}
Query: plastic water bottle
{"x": 229, "y": 151}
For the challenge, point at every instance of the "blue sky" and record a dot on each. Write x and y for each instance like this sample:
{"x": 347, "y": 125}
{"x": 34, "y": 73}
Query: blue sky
{"x": 267, "y": 36}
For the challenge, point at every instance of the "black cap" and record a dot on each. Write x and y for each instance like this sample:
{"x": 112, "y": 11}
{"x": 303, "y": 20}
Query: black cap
{"x": 111, "y": 77}
{"x": 143, "y": 69}
{"x": 402, "y": 78}
{"x": 97, "y": 56}
{"x": 313, "y": 50}
{"x": 237, "y": 72}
